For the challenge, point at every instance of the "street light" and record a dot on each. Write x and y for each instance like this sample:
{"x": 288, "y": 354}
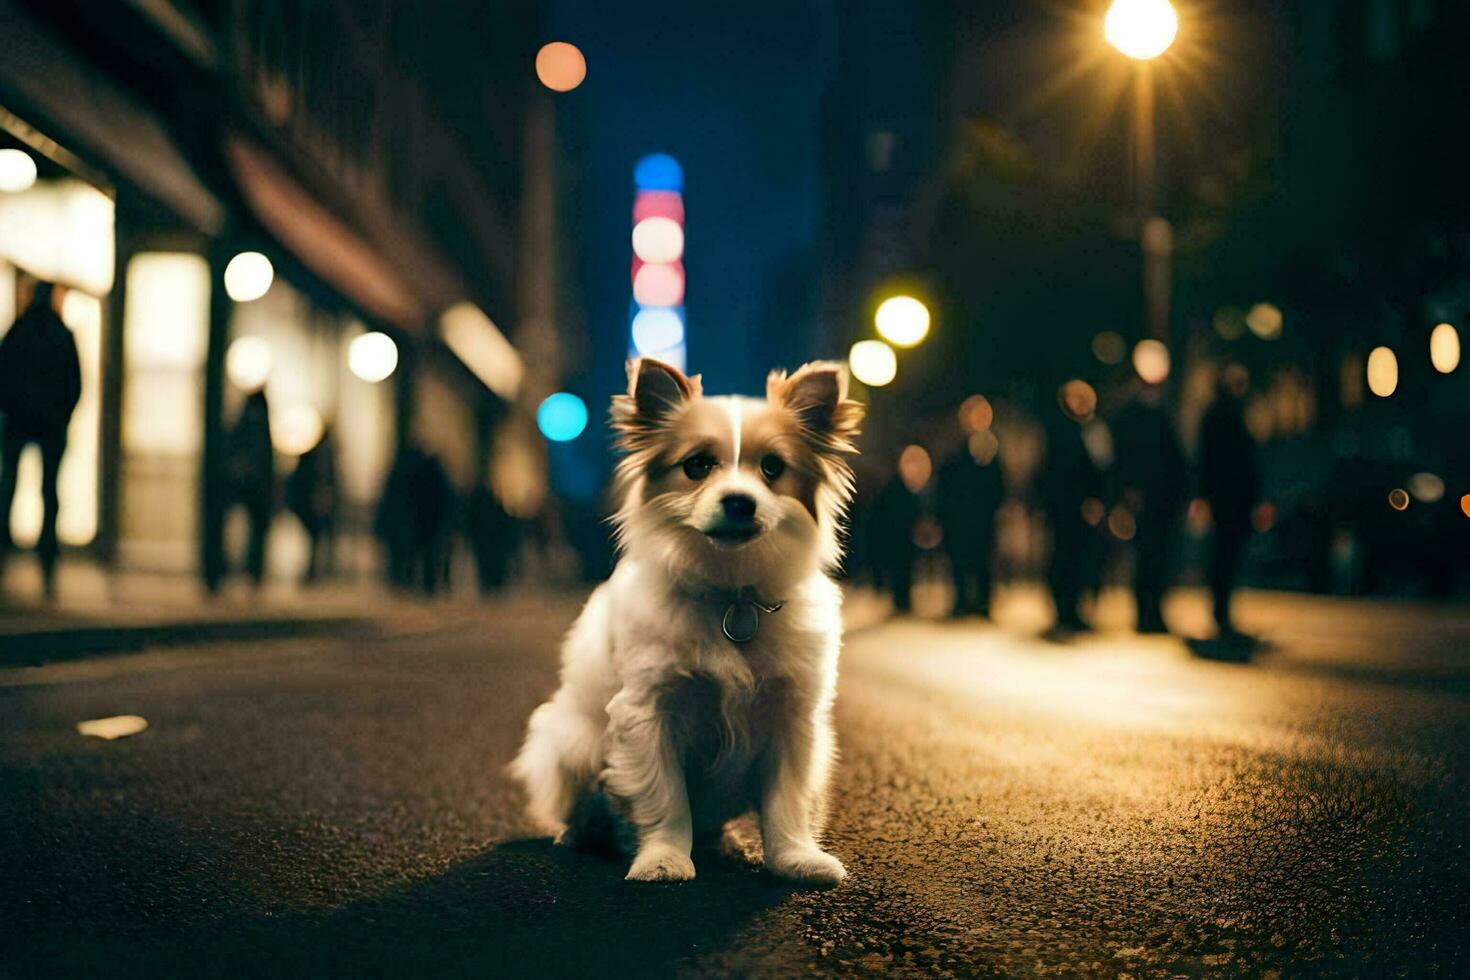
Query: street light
{"x": 1142, "y": 30}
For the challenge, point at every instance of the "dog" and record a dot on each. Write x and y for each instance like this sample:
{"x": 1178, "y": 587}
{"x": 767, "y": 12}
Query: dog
{"x": 697, "y": 683}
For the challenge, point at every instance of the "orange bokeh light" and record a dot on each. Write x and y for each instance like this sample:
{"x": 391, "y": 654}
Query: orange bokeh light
{"x": 560, "y": 66}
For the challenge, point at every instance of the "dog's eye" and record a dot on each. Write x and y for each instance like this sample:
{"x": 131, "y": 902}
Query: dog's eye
{"x": 772, "y": 466}
{"x": 697, "y": 467}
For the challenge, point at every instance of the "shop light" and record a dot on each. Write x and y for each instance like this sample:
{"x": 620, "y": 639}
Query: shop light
{"x": 658, "y": 204}
{"x": 373, "y": 357}
{"x": 478, "y": 343}
{"x": 873, "y": 363}
{"x": 659, "y": 284}
{"x": 248, "y": 363}
{"x": 248, "y": 277}
{"x": 17, "y": 171}
{"x": 296, "y": 429}
{"x": 562, "y": 417}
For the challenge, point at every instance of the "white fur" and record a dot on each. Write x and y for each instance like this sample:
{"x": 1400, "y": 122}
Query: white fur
{"x": 677, "y": 727}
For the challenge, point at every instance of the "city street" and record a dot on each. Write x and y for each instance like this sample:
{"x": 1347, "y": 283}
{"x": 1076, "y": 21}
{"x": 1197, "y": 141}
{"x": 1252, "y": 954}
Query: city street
{"x": 1005, "y": 804}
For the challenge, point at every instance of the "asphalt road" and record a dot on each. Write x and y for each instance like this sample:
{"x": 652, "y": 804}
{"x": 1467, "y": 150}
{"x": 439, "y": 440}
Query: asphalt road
{"x": 330, "y": 806}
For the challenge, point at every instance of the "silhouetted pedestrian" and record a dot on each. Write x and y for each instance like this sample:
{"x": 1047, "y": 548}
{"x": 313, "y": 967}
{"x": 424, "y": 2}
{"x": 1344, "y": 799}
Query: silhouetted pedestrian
{"x": 1068, "y": 480}
{"x": 966, "y": 499}
{"x": 40, "y": 385}
{"x": 495, "y": 537}
{"x": 1152, "y": 473}
{"x": 251, "y": 470}
{"x": 413, "y": 520}
{"x": 311, "y": 493}
{"x": 1229, "y": 480}
{"x": 894, "y": 514}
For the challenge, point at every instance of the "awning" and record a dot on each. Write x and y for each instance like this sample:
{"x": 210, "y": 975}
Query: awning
{"x": 42, "y": 78}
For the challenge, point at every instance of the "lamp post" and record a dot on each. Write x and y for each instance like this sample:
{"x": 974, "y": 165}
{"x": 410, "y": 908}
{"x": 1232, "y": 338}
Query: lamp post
{"x": 1142, "y": 30}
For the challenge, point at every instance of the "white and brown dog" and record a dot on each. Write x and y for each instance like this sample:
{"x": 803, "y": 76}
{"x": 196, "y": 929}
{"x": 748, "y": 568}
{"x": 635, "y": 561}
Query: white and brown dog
{"x": 697, "y": 684}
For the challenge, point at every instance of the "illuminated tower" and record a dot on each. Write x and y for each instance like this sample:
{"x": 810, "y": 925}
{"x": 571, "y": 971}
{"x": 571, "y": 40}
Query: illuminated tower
{"x": 656, "y": 314}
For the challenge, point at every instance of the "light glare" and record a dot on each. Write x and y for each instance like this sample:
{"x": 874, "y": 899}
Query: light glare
{"x": 659, "y": 284}
{"x": 657, "y": 329}
{"x": 248, "y": 277}
{"x": 873, "y": 363}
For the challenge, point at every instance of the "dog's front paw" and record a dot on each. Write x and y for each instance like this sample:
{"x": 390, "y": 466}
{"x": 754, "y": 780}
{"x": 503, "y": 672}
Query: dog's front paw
{"x": 808, "y": 865}
{"x": 659, "y": 862}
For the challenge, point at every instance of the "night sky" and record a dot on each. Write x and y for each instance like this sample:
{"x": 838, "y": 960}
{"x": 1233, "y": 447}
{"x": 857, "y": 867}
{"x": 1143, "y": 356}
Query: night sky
{"x": 733, "y": 91}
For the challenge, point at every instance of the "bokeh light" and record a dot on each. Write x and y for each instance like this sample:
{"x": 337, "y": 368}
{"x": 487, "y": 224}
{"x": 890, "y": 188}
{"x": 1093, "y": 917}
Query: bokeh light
{"x": 248, "y": 363}
{"x": 658, "y": 204}
{"x": 373, "y": 357}
{"x": 976, "y": 413}
{"x": 657, "y": 328}
{"x": 248, "y": 277}
{"x": 1078, "y": 400}
{"x": 560, "y": 66}
{"x": 1141, "y": 29}
{"x": 902, "y": 321}
{"x": 983, "y": 446}
{"x": 1465, "y": 505}
{"x": 1383, "y": 372}
{"x": 659, "y": 284}
{"x": 1121, "y": 523}
{"x": 915, "y": 467}
{"x": 1398, "y": 498}
{"x": 562, "y": 417}
{"x": 873, "y": 363}
{"x": 1151, "y": 361}
{"x": 1427, "y": 488}
{"x": 296, "y": 429}
{"x": 658, "y": 240}
{"x": 658, "y": 172}
{"x": 1264, "y": 320}
{"x": 1109, "y": 347}
{"x": 17, "y": 171}
{"x": 1444, "y": 348}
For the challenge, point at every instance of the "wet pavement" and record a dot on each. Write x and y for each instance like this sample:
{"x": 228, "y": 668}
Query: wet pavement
{"x": 1111, "y": 805}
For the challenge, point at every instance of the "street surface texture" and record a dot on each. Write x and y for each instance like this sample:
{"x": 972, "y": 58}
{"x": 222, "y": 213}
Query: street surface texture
{"x": 1110, "y": 805}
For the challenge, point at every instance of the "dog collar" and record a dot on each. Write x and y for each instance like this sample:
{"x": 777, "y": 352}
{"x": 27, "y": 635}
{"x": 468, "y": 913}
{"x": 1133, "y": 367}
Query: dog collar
{"x": 742, "y": 617}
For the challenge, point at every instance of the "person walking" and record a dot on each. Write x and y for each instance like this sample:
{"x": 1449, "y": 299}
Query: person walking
{"x": 311, "y": 493}
{"x": 1153, "y": 476}
{"x": 966, "y": 499}
{"x": 40, "y": 385}
{"x": 895, "y": 513}
{"x": 1229, "y": 480}
{"x": 1068, "y": 480}
{"x": 252, "y": 475}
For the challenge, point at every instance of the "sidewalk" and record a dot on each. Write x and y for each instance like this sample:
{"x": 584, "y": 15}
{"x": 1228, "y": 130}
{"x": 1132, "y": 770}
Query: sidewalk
{"x": 96, "y": 611}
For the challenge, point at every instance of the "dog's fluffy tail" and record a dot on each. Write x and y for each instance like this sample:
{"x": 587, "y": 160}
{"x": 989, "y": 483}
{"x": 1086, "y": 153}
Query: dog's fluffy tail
{"x": 559, "y": 762}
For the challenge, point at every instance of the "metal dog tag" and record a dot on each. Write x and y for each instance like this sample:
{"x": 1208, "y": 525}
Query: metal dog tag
{"x": 742, "y": 620}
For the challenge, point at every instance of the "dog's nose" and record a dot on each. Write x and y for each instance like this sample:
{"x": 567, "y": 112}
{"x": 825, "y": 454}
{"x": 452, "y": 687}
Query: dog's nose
{"x": 739, "y": 508}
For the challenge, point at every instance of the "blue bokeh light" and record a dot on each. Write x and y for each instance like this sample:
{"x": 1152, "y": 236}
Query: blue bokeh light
{"x": 562, "y": 417}
{"x": 658, "y": 172}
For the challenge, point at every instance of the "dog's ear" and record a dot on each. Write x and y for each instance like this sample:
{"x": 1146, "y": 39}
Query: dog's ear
{"x": 817, "y": 394}
{"x": 655, "y": 392}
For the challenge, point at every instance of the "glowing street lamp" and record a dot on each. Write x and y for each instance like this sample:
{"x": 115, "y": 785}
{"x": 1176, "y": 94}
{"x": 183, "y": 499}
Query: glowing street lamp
{"x": 873, "y": 363}
{"x": 1141, "y": 29}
